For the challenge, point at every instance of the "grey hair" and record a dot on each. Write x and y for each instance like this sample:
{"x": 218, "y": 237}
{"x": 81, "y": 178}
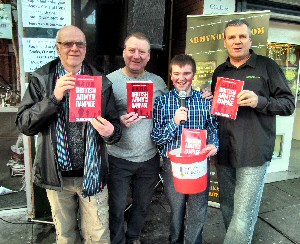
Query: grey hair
{"x": 238, "y": 22}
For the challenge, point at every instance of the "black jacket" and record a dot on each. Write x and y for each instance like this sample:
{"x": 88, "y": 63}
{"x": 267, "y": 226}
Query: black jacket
{"x": 249, "y": 140}
{"x": 37, "y": 114}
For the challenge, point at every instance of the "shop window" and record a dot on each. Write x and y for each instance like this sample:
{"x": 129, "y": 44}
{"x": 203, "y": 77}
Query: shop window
{"x": 287, "y": 56}
{"x": 278, "y": 147}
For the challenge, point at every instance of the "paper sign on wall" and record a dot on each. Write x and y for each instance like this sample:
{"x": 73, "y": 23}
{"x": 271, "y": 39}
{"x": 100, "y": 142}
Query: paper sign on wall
{"x": 37, "y": 52}
{"x": 5, "y": 21}
{"x": 46, "y": 14}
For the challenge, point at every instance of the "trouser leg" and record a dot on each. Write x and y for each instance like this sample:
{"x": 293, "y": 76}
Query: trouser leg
{"x": 120, "y": 173}
{"x": 226, "y": 181}
{"x": 177, "y": 202}
{"x": 64, "y": 207}
{"x": 247, "y": 197}
{"x": 94, "y": 217}
{"x": 143, "y": 183}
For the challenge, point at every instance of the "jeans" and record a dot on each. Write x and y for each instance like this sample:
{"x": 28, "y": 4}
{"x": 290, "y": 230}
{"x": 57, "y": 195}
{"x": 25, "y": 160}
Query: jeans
{"x": 188, "y": 211}
{"x": 143, "y": 176}
{"x": 92, "y": 225}
{"x": 240, "y": 196}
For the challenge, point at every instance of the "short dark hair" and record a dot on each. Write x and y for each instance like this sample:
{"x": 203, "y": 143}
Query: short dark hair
{"x": 181, "y": 60}
{"x": 138, "y": 35}
{"x": 238, "y": 22}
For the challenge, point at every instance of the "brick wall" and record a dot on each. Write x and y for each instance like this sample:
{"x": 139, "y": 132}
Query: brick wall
{"x": 182, "y": 8}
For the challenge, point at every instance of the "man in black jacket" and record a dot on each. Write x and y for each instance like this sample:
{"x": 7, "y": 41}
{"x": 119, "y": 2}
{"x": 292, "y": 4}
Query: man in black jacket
{"x": 247, "y": 143}
{"x": 70, "y": 159}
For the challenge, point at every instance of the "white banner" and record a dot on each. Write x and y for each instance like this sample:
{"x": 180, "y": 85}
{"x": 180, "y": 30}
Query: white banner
{"x": 5, "y": 21}
{"x": 46, "y": 13}
{"x": 37, "y": 52}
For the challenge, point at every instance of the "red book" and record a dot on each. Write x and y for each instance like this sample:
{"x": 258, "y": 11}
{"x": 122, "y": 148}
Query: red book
{"x": 140, "y": 98}
{"x": 85, "y": 98}
{"x": 225, "y": 97}
{"x": 192, "y": 141}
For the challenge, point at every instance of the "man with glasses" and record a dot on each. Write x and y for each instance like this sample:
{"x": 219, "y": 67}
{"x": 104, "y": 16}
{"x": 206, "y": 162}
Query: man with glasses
{"x": 70, "y": 159}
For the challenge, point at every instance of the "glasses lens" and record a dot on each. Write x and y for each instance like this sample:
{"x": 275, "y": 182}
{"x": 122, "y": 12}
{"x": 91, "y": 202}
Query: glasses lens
{"x": 80, "y": 44}
{"x": 70, "y": 44}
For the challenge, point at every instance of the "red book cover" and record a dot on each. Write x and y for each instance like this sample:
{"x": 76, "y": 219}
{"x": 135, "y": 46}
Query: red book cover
{"x": 85, "y": 98}
{"x": 225, "y": 97}
{"x": 192, "y": 141}
{"x": 140, "y": 98}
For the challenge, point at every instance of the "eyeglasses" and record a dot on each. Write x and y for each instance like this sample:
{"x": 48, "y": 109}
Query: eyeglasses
{"x": 69, "y": 44}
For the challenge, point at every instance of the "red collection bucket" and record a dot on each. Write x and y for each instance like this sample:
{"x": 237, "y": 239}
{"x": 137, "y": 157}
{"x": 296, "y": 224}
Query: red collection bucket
{"x": 190, "y": 172}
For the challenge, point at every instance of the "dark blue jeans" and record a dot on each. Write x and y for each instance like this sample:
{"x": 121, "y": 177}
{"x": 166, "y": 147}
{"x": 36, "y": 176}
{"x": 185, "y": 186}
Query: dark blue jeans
{"x": 188, "y": 212}
{"x": 143, "y": 176}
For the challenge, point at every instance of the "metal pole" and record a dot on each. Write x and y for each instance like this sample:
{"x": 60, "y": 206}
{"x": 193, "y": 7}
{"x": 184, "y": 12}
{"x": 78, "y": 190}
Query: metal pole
{"x": 26, "y": 139}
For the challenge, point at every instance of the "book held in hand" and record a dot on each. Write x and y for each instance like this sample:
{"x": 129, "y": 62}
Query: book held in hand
{"x": 192, "y": 141}
{"x": 85, "y": 98}
{"x": 225, "y": 97}
{"x": 140, "y": 98}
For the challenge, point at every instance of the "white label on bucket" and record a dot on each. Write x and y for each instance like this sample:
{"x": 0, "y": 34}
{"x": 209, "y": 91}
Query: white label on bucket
{"x": 189, "y": 171}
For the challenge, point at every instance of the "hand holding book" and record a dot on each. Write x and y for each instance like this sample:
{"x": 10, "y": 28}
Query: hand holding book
{"x": 63, "y": 85}
{"x": 103, "y": 126}
{"x": 247, "y": 98}
{"x": 128, "y": 119}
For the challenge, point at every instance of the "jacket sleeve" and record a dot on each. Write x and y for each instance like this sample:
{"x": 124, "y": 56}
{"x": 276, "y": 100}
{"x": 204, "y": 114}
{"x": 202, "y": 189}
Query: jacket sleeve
{"x": 36, "y": 110}
{"x": 280, "y": 100}
{"x": 112, "y": 115}
{"x": 164, "y": 129}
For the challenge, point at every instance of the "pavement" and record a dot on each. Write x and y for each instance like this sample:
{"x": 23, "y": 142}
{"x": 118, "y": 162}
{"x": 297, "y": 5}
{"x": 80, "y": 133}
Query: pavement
{"x": 278, "y": 220}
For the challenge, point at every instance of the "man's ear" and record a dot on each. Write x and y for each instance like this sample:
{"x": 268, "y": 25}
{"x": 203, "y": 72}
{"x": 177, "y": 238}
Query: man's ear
{"x": 57, "y": 48}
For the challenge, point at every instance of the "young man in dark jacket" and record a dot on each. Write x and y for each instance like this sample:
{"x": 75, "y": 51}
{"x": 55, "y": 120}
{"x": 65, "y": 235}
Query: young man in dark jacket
{"x": 70, "y": 159}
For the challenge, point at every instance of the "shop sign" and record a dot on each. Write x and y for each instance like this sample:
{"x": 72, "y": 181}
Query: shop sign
{"x": 219, "y": 6}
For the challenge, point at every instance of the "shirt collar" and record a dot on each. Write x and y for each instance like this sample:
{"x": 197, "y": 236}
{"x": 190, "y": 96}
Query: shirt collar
{"x": 250, "y": 62}
{"x": 176, "y": 93}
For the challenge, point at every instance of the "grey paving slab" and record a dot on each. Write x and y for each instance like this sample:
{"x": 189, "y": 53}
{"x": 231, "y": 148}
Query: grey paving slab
{"x": 156, "y": 228}
{"x": 265, "y": 234}
{"x": 214, "y": 216}
{"x": 292, "y": 187}
{"x": 286, "y": 220}
{"x": 26, "y": 232}
{"x": 274, "y": 198}
{"x": 214, "y": 233}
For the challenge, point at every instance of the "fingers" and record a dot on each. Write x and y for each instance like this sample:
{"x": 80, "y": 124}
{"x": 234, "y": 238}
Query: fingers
{"x": 129, "y": 119}
{"x": 181, "y": 114}
{"x": 103, "y": 126}
{"x": 247, "y": 98}
{"x": 63, "y": 85}
{"x": 210, "y": 149}
{"x": 207, "y": 94}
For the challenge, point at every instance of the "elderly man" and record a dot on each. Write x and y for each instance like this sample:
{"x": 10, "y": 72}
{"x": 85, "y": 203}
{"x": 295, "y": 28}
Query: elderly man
{"x": 70, "y": 159}
{"x": 247, "y": 143}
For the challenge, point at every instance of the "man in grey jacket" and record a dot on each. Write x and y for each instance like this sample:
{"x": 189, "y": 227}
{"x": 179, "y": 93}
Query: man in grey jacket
{"x": 134, "y": 158}
{"x": 70, "y": 159}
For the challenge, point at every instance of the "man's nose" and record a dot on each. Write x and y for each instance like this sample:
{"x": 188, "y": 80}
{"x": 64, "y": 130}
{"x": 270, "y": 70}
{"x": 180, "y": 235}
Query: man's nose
{"x": 136, "y": 54}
